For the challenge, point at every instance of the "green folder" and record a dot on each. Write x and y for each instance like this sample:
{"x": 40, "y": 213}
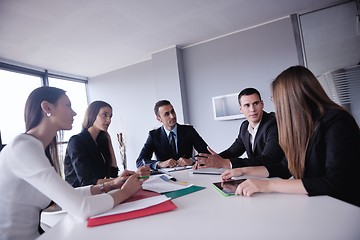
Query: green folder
{"x": 184, "y": 191}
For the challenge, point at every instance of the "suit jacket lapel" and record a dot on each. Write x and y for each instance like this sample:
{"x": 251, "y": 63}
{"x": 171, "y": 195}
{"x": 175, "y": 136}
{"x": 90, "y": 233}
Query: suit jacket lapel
{"x": 258, "y": 133}
{"x": 248, "y": 144}
{"x": 179, "y": 140}
{"x": 91, "y": 145}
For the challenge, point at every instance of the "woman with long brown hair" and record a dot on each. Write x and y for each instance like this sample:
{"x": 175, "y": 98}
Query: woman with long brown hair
{"x": 29, "y": 175}
{"x": 90, "y": 157}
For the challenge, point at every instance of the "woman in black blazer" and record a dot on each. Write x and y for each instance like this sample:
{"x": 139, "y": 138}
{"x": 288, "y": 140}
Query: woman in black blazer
{"x": 90, "y": 156}
{"x": 321, "y": 141}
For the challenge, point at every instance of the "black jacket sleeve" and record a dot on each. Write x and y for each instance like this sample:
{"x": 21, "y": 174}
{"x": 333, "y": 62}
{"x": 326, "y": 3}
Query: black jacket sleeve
{"x": 78, "y": 169}
{"x": 146, "y": 153}
{"x": 332, "y": 161}
{"x": 267, "y": 150}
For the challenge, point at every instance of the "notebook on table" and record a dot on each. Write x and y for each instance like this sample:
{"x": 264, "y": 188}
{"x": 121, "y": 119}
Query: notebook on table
{"x": 212, "y": 171}
{"x": 173, "y": 169}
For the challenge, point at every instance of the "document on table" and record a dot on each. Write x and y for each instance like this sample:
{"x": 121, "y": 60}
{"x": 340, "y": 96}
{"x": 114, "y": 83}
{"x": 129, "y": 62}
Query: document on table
{"x": 212, "y": 171}
{"x": 159, "y": 185}
{"x": 134, "y": 205}
{"x": 165, "y": 170}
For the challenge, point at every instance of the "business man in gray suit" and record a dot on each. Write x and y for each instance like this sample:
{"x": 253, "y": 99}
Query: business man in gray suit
{"x": 258, "y": 137}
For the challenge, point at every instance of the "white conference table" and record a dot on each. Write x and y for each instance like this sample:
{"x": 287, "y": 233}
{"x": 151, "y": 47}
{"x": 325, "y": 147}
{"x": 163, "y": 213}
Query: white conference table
{"x": 207, "y": 214}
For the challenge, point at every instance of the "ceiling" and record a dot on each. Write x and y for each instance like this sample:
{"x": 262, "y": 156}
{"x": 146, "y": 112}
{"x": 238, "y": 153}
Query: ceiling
{"x": 91, "y": 37}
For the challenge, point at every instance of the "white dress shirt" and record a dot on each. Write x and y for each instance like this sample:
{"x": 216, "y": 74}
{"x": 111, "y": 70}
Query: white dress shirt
{"x": 253, "y": 132}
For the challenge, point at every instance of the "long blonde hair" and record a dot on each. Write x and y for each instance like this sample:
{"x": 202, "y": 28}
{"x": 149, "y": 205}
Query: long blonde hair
{"x": 298, "y": 98}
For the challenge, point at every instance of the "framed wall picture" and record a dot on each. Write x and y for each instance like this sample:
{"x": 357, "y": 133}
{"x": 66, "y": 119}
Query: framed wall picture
{"x": 226, "y": 107}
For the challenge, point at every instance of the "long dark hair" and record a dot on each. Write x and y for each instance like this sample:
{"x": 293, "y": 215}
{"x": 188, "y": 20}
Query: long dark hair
{"x": 33, "y": 115}
{"x": 298, "y": 97}
{"x": 92, "y": 112}
{"x": 102, "y": 140}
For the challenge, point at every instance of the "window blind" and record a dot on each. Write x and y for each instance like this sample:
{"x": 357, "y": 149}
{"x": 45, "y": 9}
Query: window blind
{"x": 343, "y": 87}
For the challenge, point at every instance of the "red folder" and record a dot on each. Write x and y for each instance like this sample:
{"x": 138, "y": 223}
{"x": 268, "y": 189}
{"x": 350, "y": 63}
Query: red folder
{"x": 161, "y": 207}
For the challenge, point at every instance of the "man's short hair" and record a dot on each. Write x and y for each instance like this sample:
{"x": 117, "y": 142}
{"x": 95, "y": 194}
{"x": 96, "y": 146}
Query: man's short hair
{"x": 160, "y": 104}
{"x": 248, "y": 91}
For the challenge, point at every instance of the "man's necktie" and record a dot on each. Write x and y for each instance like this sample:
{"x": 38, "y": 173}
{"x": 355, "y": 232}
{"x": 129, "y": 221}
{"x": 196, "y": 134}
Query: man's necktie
{"x": 172, "y": 144}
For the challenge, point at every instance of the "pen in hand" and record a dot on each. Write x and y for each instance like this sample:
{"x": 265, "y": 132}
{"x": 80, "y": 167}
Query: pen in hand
{"x": 196, "y": 162}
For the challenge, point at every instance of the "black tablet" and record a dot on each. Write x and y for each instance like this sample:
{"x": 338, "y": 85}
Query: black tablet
{"x": 229, "y": 187}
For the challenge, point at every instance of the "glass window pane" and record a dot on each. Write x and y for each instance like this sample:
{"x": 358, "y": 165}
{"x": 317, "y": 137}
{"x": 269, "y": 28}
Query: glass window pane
{"x": 14, "y": 90}
{"x": 76, "y": 91}
{"x": 331, "y": 38}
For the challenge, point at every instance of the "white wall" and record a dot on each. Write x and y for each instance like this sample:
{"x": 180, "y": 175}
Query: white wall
{"x": 251, "y": 58}
{"x": 131, "y": 93}
{"x": 226, "y": 65}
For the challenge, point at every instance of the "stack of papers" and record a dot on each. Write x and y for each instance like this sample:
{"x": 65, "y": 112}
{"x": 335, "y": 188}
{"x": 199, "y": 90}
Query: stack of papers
{"x": 134, "y": 205}
{"x": 162, "y": 184}
{"x": 144, "y": 203}
{"x": 155, "y": 197}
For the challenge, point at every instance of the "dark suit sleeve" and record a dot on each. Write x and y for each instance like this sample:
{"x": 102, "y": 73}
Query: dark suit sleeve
{"x": 280, "y": 170}
{"x": 233, "y": 152}
{"x": 79, "y": 157}
{"x": 146, "y": 153}
{"x": 236, "y": 149}
{"x": 199, "y": 144}
{"x": 267, "y": 149}
{"x": 271, "y": 152}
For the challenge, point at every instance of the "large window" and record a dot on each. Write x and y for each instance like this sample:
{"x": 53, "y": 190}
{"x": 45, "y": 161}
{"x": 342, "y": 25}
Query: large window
{"x": 332, "y": 51}
{"x": 17, "y": 83}
{"x": 76, "y": 91}
{"x": 15, "y": 88}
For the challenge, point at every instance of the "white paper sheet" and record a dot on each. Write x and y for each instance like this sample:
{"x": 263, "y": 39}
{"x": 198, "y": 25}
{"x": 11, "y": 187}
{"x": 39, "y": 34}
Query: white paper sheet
{"x": 157, "y": 184}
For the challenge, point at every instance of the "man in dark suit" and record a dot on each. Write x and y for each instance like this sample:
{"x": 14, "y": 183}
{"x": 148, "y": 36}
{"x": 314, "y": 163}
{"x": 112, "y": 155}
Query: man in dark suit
{"x": 172, "y": 143}
{"x": 258, "y": 137}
